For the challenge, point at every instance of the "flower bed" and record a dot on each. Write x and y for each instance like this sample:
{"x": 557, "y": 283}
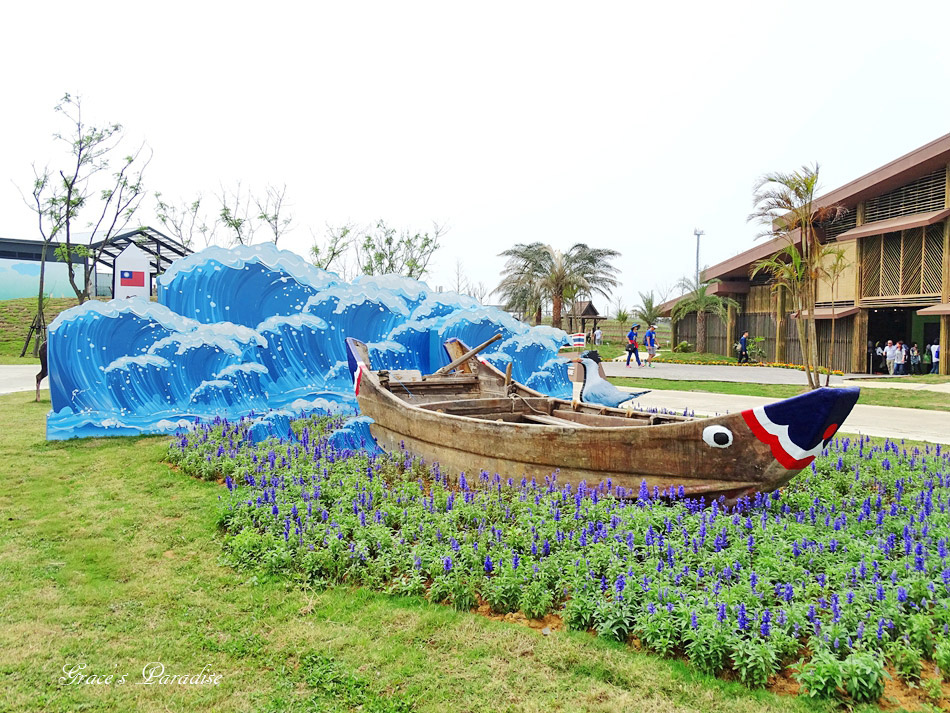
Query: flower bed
{"x": 725, "y": 361}
{"x": 844, "y": 570}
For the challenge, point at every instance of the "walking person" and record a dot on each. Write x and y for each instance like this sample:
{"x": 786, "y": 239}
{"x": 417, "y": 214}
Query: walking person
{"x": 889, "y": 352}
{"x": 914, "y": 359}
{"x": 649, "y": 338}
{"x": 44, "y": 371}
{"x": 881, "y": 364}
{"x": 632, "y": 345}
{"x": 935, "y": 356}
{"x": 598, "y": 337}
{"x": 899, "y": 358}
{"x": 926, "y": 359}
{"x": 744, "y": 348}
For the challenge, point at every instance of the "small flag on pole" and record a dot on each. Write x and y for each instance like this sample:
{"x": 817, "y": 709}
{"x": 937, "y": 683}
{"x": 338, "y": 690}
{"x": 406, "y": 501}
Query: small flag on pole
{"x": 131, "y": 278}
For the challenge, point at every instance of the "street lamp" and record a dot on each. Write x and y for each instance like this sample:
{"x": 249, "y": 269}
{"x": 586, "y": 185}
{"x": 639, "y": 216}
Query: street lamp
{"x": 697, "y": 232}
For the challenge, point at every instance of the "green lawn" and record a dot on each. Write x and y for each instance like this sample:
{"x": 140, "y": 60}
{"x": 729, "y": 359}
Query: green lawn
{"x": 930, "y": 400}
{"x": 15, "y": 319}
{"x": 915, "y": 379}
{"x": 111, "y": 559}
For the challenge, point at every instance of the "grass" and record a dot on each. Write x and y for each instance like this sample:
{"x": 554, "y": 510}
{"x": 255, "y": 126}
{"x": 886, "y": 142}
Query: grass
{"x": 694, "y": 358}
{"x": 914, "y": 379}
{"x": 110, "y": 558}
{"x": 930, "y": 400}
{"x": 16, "y": 316}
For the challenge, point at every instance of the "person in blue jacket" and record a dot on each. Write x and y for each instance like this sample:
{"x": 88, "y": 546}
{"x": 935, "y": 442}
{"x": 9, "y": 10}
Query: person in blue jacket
{"x": 632, "y": 346}
{"x": 649, "y": 338}
{"x": 744, "y": 348}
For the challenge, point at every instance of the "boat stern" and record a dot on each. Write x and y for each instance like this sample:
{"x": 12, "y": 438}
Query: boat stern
{"x": 357, "y": 359}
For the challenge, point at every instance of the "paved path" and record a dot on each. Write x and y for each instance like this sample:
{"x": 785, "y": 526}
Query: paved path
{"x": 759, "y": 375}
{"x": 714, "y": 372}
{"x": 19, "y": 377}
{"x": 916, "y": 424}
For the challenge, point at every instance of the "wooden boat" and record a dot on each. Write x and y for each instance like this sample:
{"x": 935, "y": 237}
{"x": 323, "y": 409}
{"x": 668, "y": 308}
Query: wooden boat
{"x": 469, "y": 416}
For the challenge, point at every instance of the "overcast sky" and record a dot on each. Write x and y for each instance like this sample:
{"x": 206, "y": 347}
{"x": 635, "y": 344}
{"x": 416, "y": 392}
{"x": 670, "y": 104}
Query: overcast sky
{"x": 622, "y": 125}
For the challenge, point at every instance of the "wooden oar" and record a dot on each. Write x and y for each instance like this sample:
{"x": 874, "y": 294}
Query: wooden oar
{"x": 465, "y": 357}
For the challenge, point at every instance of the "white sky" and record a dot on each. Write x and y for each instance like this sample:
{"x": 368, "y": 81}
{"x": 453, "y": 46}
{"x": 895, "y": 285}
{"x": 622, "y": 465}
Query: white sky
{"x": 621, "y": 125}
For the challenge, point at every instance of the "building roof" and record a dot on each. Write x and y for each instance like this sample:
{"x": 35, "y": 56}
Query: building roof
{"x": 584, "y": 308}
{"x": 900, "y": 171}
{"x": 162, "y": 249}
{"x": 903, "y": 222}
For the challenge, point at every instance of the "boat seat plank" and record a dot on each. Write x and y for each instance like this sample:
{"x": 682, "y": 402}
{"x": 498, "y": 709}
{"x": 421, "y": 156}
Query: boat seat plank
{"x": 608, "y": 421}
{"x": 553, "y": 420}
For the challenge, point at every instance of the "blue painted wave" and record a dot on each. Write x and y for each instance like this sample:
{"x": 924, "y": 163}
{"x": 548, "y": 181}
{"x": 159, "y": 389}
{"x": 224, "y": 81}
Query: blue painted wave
{"x": 257, "y": 330}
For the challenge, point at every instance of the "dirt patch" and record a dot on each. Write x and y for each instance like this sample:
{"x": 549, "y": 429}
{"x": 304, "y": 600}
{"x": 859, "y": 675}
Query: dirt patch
{"x": 551, "y": 622}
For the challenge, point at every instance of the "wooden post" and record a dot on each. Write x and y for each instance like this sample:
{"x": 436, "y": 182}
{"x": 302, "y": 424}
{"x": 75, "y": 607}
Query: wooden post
{"x": 859, "y": 343}
{"x": 781, "y": 326}
{"x": 945, "y": 298}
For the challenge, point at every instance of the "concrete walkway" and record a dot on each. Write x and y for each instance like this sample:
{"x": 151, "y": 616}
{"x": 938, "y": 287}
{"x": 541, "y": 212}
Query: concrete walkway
{"x": 714, "y": 372}
{"x": 758, "y": 375}
{"x": 19, "y": 377}
{"x": 881, "y": 421}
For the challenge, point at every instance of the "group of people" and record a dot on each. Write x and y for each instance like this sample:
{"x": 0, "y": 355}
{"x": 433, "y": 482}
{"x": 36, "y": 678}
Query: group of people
{"x": 633, "y": 345}
{"x": 903, "y": 358}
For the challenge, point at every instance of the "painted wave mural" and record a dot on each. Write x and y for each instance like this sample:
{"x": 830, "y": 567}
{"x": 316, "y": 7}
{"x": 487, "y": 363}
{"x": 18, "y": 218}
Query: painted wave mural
{"x": 258, "y": 332}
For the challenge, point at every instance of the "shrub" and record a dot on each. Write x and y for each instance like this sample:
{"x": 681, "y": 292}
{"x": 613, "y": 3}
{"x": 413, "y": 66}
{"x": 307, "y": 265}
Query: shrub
{"x": 863, "y": 677}
{"x": 707, "y": 650}
{"x": 821, "y": 677}
{"x": 579, "y": 611}
{"x": 942, "y": 658}
{"x": 754, "y": 661}
{"x": 683, "y": 347}
{"x": 906, "y": 660}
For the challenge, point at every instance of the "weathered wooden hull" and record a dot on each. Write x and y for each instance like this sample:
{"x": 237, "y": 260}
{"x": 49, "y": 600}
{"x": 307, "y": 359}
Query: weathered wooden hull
{"x": 483, "y": 432}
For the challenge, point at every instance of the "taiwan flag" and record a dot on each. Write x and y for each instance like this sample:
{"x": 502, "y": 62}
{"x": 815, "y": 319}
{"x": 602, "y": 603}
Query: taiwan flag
{"x": 131, "y": 278}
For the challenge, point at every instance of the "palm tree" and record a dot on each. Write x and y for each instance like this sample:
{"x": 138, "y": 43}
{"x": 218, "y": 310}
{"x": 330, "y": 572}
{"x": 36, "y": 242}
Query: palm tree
{"x": 520, "y": 286}
{"x": 698, "y": 300}
{"x": 649, "y": 309}
{"x": 833, "y": 269}
{"x": 784, "y": 205}
{"x": 536, "y": 272}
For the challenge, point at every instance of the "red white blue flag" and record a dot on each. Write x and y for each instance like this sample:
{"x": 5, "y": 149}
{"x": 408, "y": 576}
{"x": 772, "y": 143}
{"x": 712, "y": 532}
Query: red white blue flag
{"x": 131, "y": 278}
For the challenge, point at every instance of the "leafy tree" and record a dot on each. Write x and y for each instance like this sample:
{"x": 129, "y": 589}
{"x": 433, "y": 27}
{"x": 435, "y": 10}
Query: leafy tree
{"x": 520, "y": 288}
{"x": 648, "y": 310}
{"x": 537, "y": 272}
{"x": 85, "y": 186}
{"x": 833, "y": 268}
{"x": 336, "y": 244}
{"x": 698, "y": 300}
{"x": 784, "y": 203}
{"x": 382, "y": 250}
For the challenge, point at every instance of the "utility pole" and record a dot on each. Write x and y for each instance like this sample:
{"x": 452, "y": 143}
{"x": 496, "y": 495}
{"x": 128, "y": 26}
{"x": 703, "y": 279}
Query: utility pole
{"x": 697, "y": 232}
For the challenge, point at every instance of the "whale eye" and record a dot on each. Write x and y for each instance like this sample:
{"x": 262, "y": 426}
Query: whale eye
{"x": 717, "y": 436}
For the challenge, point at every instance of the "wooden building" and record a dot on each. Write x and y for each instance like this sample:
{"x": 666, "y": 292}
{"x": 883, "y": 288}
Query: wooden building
{"x": 896, "y": 237}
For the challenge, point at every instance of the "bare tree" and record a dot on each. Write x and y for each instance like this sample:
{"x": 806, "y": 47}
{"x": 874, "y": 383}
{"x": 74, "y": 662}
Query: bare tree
{"x": 235, "y": 215}
{"x": 478, "y": 292}
{"x": 82, "y": 187}
{"x": 461, "y": 282}
{"x": 185, "y": 221}
{"x": 274, "y": 211}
